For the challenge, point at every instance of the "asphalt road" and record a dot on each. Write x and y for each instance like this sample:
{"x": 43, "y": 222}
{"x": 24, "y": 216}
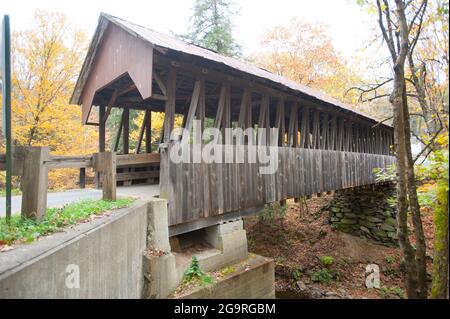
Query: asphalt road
{"x": 59, "y": 199}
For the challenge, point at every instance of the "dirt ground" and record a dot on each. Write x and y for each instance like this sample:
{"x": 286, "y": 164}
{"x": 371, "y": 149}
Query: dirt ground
{"x": 297, "y": 243}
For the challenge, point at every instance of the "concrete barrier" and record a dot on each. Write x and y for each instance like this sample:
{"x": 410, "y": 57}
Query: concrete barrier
{"x": 97, "y": 259}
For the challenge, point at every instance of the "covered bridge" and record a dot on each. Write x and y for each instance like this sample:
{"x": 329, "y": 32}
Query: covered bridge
{"x": 323, "y": 144}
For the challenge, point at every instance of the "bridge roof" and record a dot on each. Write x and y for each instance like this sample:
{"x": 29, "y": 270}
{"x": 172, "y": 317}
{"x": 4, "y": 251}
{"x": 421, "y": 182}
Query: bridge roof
{"x": 162, "y": 41}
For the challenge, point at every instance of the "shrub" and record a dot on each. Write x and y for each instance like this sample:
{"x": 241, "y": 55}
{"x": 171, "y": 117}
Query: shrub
{"x": 194, "y": 273}
{"x": 326, "y": 260}
{"x": 323, "y": 276}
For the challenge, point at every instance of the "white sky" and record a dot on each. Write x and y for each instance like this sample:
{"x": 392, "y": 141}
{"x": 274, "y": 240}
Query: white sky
{"x": 348, "y": 25}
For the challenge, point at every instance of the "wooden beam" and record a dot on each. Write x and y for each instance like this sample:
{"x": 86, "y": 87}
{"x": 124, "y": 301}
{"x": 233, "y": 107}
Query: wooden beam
{"x": 305, "y": 139}
{"x": 111, "y": 102}
{"x": 169, "y": 108}
{"x": 315, "y": 131}
{"x": 160, "y": 83}
{"x": 292, "y": 119}
{"x": 243, "y": 109}
{"x": 280, "y": 122}
{"x": 148, "y": 132}
{"x": 218, "y": 121}
{"x": 142, "y": 131}
{"x": 126, "y": 131}
{"x": 101, "y": 129}
{"x": 119, "y": 133}
{"x": 192, "y": 110}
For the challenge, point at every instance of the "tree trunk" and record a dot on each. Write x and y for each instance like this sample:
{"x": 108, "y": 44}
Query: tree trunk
{"x": 396, "y": 99}
{"x": 415, "y": 207}
{"x": 440, "y": 260}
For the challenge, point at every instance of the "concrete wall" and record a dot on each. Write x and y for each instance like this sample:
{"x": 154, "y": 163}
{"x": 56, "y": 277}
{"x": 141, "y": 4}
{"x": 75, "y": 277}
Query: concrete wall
{"x": 107, "y": 251}
{"x": 254, "y": 279}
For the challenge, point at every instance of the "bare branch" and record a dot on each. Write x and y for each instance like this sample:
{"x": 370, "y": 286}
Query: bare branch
{"x": 429, "y": 145}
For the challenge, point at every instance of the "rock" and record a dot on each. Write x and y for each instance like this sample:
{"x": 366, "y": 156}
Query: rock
{"x": 379, "y": 233}
{"x": 348, "y": 221}
{"x": 374, "y": 219}
{"x": 390, "y": 221}
{"x": 387, "y": 227}
{"x": 393, "y": 235}
{"x": 350, "y": 215}
{"x": 301, "y": 285}
{"x": 335, "y": 209}
{"x": 364, "y": 229}
{"x": 339, "y": 215}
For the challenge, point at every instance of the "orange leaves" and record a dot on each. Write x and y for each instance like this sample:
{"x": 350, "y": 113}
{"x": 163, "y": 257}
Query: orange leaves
{"x": 305, "y": 53}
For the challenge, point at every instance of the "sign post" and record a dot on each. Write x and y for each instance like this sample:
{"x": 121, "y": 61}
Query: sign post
{"x": 5, "y": 64}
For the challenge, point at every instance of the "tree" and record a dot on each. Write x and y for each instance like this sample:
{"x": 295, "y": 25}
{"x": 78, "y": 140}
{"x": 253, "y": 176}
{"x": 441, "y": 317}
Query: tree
{"x": 400, "y": 25}
{"x": 304, "y": 52}
{"x": 211, "y": 27}
{"x": 45, "y": 62}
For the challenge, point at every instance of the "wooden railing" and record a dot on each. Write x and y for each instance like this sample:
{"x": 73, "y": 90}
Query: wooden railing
{"x": 200, "y": 191}
{"x": 33, "y": 163}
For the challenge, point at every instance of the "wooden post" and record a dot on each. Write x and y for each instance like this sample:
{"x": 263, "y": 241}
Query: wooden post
{"x": 126, "y": 130}
{"x": 148, "y": 132}
{"x": 34, "y": 182}
{"x": 101, "y": 129}
{"x": 82, "y": 177}
{"x": 106, "y": 165}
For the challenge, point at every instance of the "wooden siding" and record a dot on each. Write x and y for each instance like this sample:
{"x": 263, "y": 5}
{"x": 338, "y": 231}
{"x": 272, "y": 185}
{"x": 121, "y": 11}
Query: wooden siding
{"x": 200, "y": 190}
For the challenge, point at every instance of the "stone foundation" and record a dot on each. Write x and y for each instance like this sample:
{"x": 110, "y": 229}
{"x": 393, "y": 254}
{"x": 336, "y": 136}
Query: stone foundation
{"x": 366, "y": 211}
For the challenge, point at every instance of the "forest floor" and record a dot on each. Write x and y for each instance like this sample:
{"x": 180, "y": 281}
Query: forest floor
{"x": 302, "y": 242}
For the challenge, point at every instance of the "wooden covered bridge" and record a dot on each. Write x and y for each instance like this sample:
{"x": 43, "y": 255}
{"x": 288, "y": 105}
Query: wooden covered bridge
{"x": 323, "y": 145}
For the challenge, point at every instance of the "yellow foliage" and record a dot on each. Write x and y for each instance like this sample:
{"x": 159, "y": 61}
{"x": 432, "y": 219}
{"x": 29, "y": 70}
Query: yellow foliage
{"x": 46, "y": 60}
{"x": 304, "y": 53}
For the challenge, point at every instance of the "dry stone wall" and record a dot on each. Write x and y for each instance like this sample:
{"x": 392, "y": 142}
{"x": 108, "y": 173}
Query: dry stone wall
{"x": 366, "y": 211}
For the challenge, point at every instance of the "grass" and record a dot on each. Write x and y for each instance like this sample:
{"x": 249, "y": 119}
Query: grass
{"x": 27, "y": 230}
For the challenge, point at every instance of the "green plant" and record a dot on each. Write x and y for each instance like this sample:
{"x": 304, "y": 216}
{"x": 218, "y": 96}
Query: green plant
{"x": 393, "y": 291}
{"x": 194, "y": 273}
{"x": 326, "y": 261}
{"x": 323, "y": 276}
{"x": 297, "y": 274}
{"x": 279, "y": 261}
{"x": 26, "y": 230}
{"x": 389, "y": 260}
{"x": 272, "y": 211}
{"x": 384, "y": 174}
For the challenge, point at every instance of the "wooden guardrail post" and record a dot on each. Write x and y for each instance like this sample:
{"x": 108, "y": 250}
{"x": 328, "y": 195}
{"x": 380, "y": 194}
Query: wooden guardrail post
{"x": 106, "y": 166}
{"x": 34, "y": 181}
{"x": 82, "y": 182}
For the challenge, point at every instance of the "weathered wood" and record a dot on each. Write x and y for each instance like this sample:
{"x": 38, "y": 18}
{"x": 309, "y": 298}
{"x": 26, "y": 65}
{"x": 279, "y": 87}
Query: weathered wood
{"x": 148, "y": 133}
{"x": 101, "y": 129}
{"x": 142, "y": 131}
{"x": 192, "y": 110}
{"x": 239, "y": 186}
{"x": 126, "y": 131}
{"x": 127, "y": 160}
{"x": 34, "y": 182}
{"x": 82, "y": 178}
{"x": 54, "y": 162}
{"x": 169, "y": 108}
{"x": 106, "y": 165}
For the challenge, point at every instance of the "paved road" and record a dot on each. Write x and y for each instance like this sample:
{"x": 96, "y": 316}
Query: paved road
{"x": 59, "y": 199}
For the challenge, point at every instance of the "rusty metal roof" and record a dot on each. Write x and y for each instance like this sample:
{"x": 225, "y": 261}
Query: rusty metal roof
{"x": 172, "y": 43}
